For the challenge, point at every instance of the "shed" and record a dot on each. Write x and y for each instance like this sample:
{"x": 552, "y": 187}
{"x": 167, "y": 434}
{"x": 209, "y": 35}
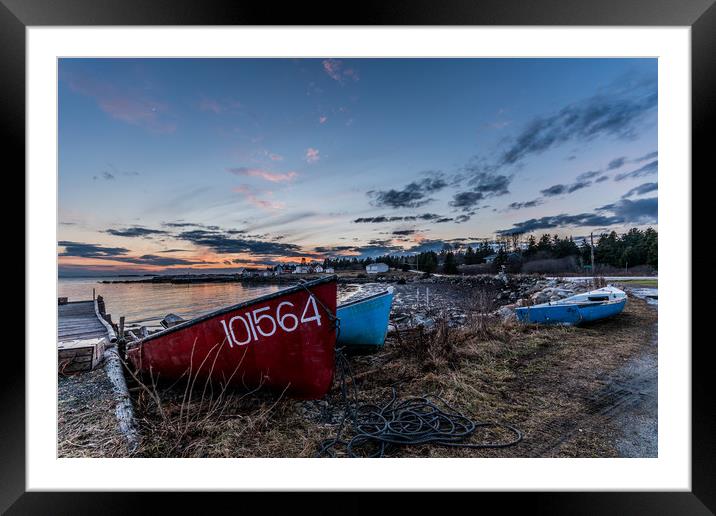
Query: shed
{"x": 375, "y": 268}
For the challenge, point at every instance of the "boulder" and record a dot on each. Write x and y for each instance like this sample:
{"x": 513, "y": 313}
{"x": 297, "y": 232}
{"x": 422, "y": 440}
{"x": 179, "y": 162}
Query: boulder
{"x": 507, "y": 313}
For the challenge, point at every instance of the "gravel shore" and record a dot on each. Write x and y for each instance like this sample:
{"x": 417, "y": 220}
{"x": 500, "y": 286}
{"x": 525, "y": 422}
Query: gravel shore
{"x": 86, "y": 421}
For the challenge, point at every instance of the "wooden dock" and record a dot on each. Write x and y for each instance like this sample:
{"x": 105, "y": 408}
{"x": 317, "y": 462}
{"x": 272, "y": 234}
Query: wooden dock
{"x": 82, "y": 335}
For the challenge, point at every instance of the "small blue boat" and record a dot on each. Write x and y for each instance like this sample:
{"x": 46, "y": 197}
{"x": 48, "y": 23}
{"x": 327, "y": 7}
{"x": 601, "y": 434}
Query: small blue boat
{"x": 590, "y": 306}
{"x": 364, "y": 322}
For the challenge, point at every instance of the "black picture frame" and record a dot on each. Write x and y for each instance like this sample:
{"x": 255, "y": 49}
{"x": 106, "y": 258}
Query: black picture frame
{"x": 700, "y": 15}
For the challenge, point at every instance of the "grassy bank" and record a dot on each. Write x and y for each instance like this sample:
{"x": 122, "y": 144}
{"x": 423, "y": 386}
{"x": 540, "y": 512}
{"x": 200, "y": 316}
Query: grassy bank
{"x": 645, "y": 283}
{"x": 543, "y": 380}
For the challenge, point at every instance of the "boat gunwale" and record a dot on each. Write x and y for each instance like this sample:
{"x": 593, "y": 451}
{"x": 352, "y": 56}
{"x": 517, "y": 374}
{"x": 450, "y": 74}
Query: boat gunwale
{"x": 577, "y": 304}
{"x": 222, "y": 311}
{"x": 389, "y": 291}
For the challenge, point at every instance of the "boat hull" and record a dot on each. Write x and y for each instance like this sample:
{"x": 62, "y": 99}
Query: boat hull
{"x": 364, "y": 323}
{"x": 284, "y": 341}
{"x": 576, "y": 309}
{"x": 572, "y": 315}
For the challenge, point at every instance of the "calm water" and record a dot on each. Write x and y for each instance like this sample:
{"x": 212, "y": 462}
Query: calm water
{"x": 147, "y": 303}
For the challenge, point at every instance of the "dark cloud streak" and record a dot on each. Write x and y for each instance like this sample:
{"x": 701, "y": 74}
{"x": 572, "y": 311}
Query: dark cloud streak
{"x": 414, "y": 194}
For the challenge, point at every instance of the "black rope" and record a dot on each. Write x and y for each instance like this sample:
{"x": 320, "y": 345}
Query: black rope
{"x": 427, "y": 419}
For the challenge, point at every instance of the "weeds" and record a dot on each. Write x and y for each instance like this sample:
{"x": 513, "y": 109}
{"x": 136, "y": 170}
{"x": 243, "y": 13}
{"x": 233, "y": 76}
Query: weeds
{"x": 599, "y": 282}
{"x": 534, "y": 378}
{"x": 177, "y": 421}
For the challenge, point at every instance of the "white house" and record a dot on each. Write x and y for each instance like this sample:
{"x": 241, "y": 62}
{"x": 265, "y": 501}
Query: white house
{"x": 318, "y": 268}
{"x": 300, "y": 269}
{"x": 329, "y": 270}
{"x": 375, "y": 268}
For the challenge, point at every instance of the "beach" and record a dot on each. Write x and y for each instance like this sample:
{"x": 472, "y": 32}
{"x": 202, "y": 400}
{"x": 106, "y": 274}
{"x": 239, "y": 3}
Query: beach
{"x": 573, "y": 391}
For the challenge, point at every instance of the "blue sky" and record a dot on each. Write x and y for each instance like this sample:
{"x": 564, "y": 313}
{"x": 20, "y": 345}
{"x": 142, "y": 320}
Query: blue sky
{"x": 216, "y": 163}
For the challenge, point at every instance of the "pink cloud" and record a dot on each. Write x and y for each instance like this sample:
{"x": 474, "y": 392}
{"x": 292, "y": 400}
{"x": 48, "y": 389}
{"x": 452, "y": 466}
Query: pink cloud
{"x": 216, "y": 106}
{"x": 322, "y": 119}
{"x": 274, "y": 157}
{"x": 212, "y": 105}
{"x": 274, "y": 177}
{"x": 128, "y": 107}
{"x": 312, "y": 155}
{"x": 250, "y": 195}
{"x": 334, "y": 69}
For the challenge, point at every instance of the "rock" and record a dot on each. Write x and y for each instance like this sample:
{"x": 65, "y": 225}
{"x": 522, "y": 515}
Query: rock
{"x": 562, "y": 293}
{"x": 506, "y": 313}
{"x": 539, "y": 297}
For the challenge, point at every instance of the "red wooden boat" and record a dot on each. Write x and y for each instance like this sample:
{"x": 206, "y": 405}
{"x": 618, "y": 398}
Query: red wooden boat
{"x": 281, "y": 341}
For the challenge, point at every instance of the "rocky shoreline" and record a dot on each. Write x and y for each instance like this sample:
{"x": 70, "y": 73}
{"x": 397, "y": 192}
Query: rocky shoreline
{"x": 422, "y": 299}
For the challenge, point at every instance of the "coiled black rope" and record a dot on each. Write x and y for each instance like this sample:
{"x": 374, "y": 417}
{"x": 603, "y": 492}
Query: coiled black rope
{"x": 427, "y": 419}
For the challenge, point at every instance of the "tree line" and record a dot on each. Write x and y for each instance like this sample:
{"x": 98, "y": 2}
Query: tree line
{"x": 630, "y": 249}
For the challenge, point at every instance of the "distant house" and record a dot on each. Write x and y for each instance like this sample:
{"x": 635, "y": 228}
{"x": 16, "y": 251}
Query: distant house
{"x": 278, "y": 269}
{"x": 318, "y": 268}
{"x": 375, "y": 268}
{"x": 301, "y": 269}
{"x": 329, "y": 270}
{"x": 491, "y": 258}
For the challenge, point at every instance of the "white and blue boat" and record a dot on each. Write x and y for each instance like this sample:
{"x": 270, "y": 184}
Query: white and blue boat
{"x": 590, "y": 306}
{"x": 364, "y": 322}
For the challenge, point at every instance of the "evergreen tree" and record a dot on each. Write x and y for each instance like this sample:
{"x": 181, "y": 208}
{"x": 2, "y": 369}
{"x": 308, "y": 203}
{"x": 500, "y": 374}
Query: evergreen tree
{"x": 545, "y": 243}
{"x": 469, "y": 256}
{"x": 531, "y": 247}
{"x": 450, "y": 267}
{"x": 501, "y": 258}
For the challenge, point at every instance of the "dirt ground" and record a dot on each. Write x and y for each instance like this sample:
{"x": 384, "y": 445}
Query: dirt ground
{"x": 588, "y": 391}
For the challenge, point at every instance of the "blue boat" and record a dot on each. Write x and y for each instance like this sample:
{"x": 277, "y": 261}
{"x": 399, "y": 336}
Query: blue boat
{"x": 590, "y": 306}
{"x": 364, "y": 322}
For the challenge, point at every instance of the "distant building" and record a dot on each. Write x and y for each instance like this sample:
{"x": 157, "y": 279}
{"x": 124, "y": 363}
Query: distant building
{"x": 318, "y": 268}
{"x": 300, "y": 269}
{"x": 375, "y": 268}
{"x": 279, "y": 269}
{"x": 329, "y": 270}
{"x": 491, "y": 258}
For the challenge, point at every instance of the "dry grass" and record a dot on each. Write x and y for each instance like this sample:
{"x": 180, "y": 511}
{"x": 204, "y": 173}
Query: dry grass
{"x": 195, "y": 417}
{"x": 599, "y": 282}
{"x": 539, "y": 379}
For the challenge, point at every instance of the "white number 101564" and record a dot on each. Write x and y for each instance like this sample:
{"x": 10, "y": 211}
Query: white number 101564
{"x": 257, "y": 323}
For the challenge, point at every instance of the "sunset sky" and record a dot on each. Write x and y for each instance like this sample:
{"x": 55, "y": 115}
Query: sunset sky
{"x": 220, "y": 163}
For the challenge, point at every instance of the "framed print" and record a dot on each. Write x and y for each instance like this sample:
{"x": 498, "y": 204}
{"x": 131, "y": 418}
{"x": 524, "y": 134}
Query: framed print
{"x": 414, "y": 250}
